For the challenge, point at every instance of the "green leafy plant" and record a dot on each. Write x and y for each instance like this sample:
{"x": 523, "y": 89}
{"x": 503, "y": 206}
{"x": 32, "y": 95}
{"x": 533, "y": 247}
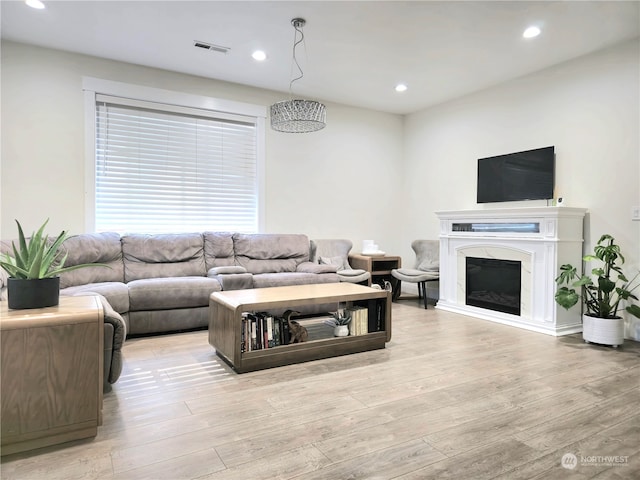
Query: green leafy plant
{"x": 341, "y": 317}
{"x": 607, "y": 286}
{"x": 37, "y": 257}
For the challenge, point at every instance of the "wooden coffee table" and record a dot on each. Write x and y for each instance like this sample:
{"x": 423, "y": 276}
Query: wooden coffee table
{"x": 225, "y": 323}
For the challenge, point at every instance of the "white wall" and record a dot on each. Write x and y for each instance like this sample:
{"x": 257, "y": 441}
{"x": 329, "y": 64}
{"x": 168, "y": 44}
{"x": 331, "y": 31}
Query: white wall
{"x": 368, "y": 175}
{"x": 588, "y": 108}
{"x": 322, "y": 184}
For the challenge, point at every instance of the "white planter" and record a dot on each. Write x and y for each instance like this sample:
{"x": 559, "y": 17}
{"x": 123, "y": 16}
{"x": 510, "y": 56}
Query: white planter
{"x": 341, "y": 330}
{"x": 605, "y": 331}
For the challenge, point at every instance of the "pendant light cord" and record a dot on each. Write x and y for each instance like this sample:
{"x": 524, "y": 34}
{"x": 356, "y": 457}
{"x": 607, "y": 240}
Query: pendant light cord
{"x": 297, "y": 25}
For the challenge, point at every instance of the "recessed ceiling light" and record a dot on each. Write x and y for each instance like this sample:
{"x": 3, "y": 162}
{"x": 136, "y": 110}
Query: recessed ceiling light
{"x": 531, "y": 32}
{"x": 35, "y": 4}
{"x": 259, "y": 55}
{"x": 401, "y": 87}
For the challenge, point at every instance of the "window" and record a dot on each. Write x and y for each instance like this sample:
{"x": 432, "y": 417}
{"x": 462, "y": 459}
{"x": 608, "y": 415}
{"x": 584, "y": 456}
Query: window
{"x": 163, "y": 168}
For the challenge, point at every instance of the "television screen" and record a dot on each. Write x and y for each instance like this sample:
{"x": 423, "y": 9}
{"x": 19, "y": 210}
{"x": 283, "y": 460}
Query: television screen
{"x": 527, "y": 175}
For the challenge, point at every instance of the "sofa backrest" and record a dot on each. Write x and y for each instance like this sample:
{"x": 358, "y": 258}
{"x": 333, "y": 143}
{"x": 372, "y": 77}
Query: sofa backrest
{"x": 270, "y": 253}
{"x": 164, "y": 255}
{"x": 218, "y": 249}
{"x": 137, "y": 256}
{"x": 5, "y": 247}
{"x": 92, "y": 248}
{"x": 86, "y": 248}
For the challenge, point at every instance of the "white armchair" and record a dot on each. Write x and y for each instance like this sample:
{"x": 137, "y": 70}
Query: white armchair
{"x": 336, "y": 252}
{"x": 427, "y": 267}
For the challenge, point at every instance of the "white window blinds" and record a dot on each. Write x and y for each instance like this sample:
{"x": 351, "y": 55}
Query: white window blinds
{"x": 162, "y": 168}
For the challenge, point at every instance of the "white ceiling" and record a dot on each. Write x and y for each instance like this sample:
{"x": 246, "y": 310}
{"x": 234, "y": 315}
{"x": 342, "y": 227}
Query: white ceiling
{"x": 355, "y": 51}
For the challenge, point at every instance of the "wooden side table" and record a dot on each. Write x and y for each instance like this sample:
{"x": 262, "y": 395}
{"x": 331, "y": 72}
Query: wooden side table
{"x": 379, "y": 266}
{"x": 52, "y": 363}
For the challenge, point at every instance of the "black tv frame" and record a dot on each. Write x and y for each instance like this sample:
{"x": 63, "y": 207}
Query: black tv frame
{"x": 518, "y": 176}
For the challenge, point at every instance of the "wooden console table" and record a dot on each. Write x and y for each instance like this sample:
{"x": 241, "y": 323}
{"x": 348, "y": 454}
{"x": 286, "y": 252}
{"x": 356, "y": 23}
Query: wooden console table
{"x": 225, "y": 323}
{"x": 52, "y": 364}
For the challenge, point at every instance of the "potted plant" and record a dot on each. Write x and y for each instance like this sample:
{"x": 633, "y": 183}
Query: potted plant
{"x": 34, "y": 269}
{"x": 341, "y": 320}
{"x": 601, "y": 293}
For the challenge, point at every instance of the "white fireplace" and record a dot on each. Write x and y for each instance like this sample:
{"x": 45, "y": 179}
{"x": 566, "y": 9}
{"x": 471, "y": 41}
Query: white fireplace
{"x": 538, "y": 239}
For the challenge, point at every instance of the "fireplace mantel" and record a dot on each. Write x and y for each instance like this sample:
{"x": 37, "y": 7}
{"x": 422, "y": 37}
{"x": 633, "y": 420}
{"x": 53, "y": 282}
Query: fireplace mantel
{"x": 540, "y": 238}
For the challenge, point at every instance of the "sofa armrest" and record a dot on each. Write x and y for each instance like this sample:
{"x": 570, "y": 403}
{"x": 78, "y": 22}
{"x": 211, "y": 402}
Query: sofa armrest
{"x": 310, "y": 267}
{"x": 234, "y": 281}
{"x": 4, "y": 276}
{"x": 110, "y": 316}
{"x": 115, "y": 320}
{"x": 113, "y": 367}
{"x": 225, "y": 270}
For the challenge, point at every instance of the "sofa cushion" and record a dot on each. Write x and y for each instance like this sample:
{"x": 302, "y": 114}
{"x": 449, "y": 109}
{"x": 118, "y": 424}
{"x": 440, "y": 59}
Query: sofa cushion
{"x": 218, "y": 249}
{"x": 340, "y": 262}
{"x": 270, "y": 253}
{"x": 168, "y": 293}
{"x": 351, "y": 272}
{"x": 116, "y": 293}
{"x": 292, "y": 278}
{"x": 310, "y": 267}
{"x": 412, "y": 275}
{"x": 145, "y": 322}
{"x": 92, "y": 248}
{"x": 354, "y": 275}
{"x": 429, "y": 265}
{"x": 161, "y": 256}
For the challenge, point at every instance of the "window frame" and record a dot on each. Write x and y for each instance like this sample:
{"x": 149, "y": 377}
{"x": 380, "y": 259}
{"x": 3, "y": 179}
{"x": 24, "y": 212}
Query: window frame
{"x": 94, "y": 86}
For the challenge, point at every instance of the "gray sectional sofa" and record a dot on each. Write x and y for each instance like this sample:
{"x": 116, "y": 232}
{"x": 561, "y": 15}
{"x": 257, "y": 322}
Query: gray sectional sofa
{"x": 162, "y": 283}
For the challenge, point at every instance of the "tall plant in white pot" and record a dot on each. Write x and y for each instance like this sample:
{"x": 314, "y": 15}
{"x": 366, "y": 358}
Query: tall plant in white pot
{"x": 601, "y": 292}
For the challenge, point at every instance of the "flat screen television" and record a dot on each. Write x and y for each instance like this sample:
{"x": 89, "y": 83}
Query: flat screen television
{"x": 527, "y": 175}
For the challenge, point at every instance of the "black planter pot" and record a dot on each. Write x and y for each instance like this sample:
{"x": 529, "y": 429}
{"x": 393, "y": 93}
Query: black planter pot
{"x": 37, "y": 293}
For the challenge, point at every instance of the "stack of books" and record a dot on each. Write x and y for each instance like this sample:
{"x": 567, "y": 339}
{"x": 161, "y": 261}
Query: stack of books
{"x": 359, "y": 320}
{"x": 262, "y": 330}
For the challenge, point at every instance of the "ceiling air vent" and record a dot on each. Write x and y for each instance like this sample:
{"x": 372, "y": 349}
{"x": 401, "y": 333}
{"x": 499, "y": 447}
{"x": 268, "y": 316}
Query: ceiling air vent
{"x": 210, "y": 46}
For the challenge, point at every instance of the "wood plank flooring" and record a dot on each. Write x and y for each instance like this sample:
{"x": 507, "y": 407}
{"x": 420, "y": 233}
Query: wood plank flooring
{"x": 450, "y": 397}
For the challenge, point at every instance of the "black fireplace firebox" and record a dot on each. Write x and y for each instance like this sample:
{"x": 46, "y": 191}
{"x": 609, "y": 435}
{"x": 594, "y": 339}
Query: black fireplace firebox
{"x": 493, "y": 284}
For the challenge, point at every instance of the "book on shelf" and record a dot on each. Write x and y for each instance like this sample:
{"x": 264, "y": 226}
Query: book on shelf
{"x": 284, "y": 331}
{"x": 269, "y": 342}
{"x": 277, "y": 329}
{"x": 359, "y": 320}
{"x": 244, "y": 333}
{"x": 262, "y": 330}
{"x": 256, "y": 343}
{"x": 376, "y": 316}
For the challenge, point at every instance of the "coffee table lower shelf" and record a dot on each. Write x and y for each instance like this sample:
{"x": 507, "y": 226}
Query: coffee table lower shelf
{"x": 225, "y": 324}
{"x": 305, "y": 352}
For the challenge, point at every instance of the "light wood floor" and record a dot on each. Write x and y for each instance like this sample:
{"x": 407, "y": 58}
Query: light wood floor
{"x": 450, "y": 397}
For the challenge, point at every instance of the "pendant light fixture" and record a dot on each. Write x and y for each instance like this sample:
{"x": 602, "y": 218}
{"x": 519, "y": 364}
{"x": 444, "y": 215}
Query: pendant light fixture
{"x": 296, "y": 115}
